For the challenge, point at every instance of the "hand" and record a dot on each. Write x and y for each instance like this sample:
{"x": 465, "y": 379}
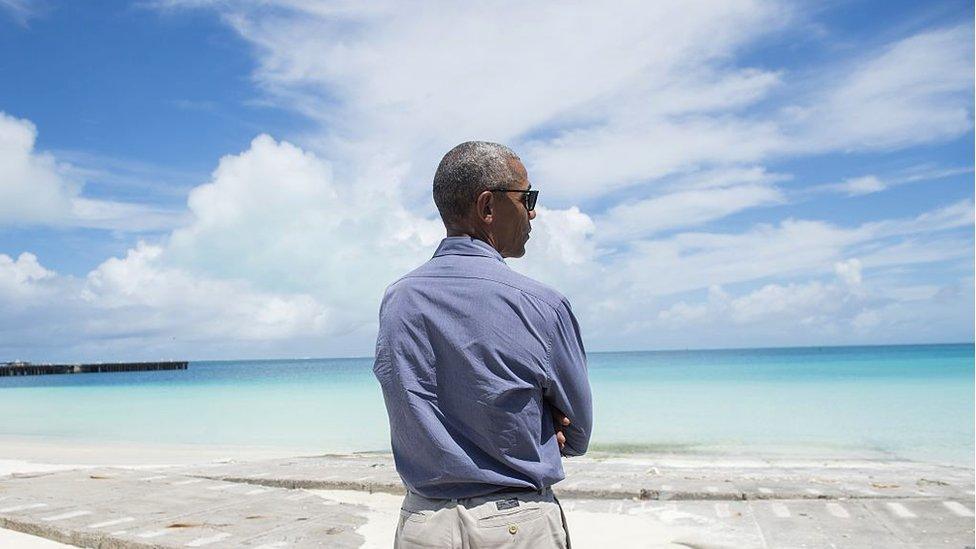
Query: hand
{"x": 561, "y": 422}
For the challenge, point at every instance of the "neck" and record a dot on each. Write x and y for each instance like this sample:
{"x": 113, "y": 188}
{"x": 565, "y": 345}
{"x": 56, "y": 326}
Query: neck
{"x": 483, "y": 236}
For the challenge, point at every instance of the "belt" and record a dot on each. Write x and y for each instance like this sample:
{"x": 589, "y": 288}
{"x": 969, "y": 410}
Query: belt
{"x": 518, "y": 490}
{"x": 508, "y": 490}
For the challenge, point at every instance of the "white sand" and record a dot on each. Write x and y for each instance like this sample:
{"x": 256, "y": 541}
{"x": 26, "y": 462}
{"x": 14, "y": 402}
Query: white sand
{"x": 77, "y": 453}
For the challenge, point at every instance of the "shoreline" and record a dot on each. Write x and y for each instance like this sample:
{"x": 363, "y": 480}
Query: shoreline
{"x": 63, "y": 452}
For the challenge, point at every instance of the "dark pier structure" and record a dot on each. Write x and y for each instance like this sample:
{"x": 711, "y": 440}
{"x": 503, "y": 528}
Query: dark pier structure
{"x": 28, "y": 369}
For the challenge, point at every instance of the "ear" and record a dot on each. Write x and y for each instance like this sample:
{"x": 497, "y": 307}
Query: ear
{"x": 483, "y": 206}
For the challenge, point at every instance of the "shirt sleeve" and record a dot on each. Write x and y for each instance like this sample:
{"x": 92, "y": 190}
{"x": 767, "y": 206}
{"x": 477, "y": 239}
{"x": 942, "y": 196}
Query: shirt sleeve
{"x": 569, "y": 386}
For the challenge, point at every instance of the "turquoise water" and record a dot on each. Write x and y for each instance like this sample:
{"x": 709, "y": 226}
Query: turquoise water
{"x": 913, "y": 402}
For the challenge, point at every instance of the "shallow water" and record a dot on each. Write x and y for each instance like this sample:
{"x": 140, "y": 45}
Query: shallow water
{"x": 913, "y": 402}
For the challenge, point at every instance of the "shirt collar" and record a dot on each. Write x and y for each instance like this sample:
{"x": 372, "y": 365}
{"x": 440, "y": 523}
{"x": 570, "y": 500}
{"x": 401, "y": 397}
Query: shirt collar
{"x": 466, "y": 245}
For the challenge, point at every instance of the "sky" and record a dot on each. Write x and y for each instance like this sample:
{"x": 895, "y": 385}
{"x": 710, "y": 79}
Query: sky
{"x": 218, "y": 179}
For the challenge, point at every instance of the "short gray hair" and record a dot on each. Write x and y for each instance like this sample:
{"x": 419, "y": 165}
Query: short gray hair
{"x": 468, "y": 170}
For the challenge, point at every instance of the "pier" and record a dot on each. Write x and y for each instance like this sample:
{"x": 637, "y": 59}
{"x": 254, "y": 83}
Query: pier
{"x": 29, "y": 369}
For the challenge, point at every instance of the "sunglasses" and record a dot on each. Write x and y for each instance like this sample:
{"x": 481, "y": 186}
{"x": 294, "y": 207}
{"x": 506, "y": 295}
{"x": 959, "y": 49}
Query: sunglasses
{"x": 528, "y": 198}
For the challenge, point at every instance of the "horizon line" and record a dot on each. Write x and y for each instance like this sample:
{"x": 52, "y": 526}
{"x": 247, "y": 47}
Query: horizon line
{"x": 668, "y": 350}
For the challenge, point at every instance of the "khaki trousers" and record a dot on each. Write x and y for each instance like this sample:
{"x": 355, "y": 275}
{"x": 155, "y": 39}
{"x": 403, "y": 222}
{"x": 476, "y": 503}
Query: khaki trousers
{"x": 524, "y": 519}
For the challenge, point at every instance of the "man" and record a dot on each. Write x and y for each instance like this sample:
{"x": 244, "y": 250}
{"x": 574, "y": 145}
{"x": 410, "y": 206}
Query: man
{"x": 483, "y": 371}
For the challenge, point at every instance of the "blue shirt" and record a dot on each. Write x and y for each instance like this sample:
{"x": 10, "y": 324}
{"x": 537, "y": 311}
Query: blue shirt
{"x": 470, "y": 356}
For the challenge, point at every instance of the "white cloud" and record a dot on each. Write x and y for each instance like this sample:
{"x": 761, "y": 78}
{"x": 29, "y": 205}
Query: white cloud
{"x": 276, "y": 254}
{"x": 563, "y": 236}
{"x": 870, "y": 184}
{"x": 587, "y": 163}
{"x": 682, "y": 209}
{"x": 286, "y": 248}
{"x": 917, "y": 90}
{"x": 139, "y": 307}
{"x": 276, "y": 214}
{"x": 808, "y": 313}
{"x": 32, "y": 185}
{"x": 279, "y": 258}
{"x": 444, "y": 73}
{"x": 35, "y": 189}
{"x": 170, "y": 301}
{"x": 623, "y": 287}
{"x": 122, "y": 216}
{"x": 562, "y": 249}
{"x": 276, "y": 240}
{"x": 621, "y": 108}
{"x": 957, "y": 214}
{"x": 18, "y": 277}
{"x": 857, "y": 186}
{"x": 791, "y": 306}
{"x": 792, "y": 248}
{"x": 726, "y": 176}
{"x": 849, "y": 271}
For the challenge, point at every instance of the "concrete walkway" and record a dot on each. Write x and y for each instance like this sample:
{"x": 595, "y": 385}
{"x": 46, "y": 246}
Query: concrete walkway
{"x": 700, "y": 502}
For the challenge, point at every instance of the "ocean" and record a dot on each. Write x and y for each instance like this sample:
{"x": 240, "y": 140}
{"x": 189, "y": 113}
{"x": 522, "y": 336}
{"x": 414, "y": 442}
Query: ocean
{"x": 907, "y": 401}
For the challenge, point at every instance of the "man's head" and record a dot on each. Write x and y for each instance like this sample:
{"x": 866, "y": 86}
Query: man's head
{"x": 466, "y": 191}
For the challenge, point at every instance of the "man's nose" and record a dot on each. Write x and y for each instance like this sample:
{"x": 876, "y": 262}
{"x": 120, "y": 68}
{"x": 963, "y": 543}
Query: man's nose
{"x": 532, "y": 215}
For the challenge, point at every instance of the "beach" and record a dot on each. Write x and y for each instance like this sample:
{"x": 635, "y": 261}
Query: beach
{"x": 735, "y": 448}
{"x": 645, "y": 500}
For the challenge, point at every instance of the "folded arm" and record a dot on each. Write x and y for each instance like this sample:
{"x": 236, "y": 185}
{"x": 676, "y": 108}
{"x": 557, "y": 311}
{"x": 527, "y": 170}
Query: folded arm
{"x": 568, "y": 392}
